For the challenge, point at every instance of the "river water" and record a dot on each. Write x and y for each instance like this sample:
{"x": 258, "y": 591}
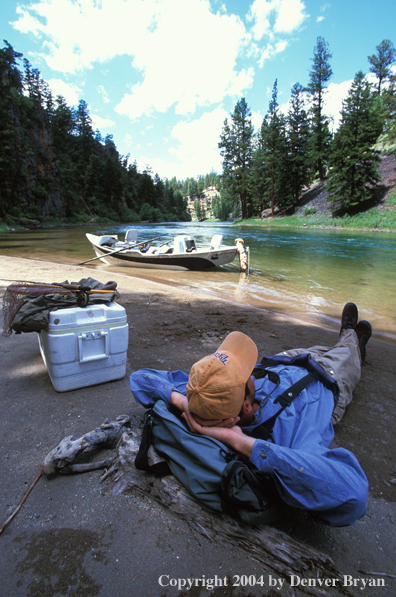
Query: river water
{"x": 309, "y": 274}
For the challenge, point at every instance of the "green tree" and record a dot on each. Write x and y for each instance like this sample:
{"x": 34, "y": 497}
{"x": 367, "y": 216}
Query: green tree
{"x": 272, "y": 155}
{"x": 221, "y": 208}
{"x": 84, "y": 130}
{"x": 199, "y": 210}
{"x": 298, "y": 134}
{"x": 192, "y": 187}
{"x": 181, "y": 207}
{"x": 353, "y": 159}
{"x": 201, "y": 184}
{"x": 236, "y": 145}
{"x": 319, "y": 77}
{"x": 62, "y": 123}
{"x": 382, "y": 61}
{"x": 13, "y": 148}
{"x": 146, "y": 188}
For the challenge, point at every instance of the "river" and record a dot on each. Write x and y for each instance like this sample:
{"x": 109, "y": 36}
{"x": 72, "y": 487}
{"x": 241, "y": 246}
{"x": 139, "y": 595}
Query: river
{"x": 306, "y": 273}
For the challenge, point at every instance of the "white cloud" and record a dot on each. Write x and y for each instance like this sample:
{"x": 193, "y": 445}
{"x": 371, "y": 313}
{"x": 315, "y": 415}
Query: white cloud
{"x": 102, "y": 91}
{"x": 185, "y": 71}
{"x": 271, "y": 50}
{"x": 69, "y": 91}
{"x": 242, "y": 81}
{"x": 291, "y": 15}
{"x": 319, "y": 19}
{"x": 276, "y": 16}
{"x": 196, "y": 152}
{"x": 80, "y": 32}
{"x": 272, "y": 18}
{"x": 101, "y": 123}
{"x": 257, "y": 120}
{"x": 334, "y": 97}
{"x": 185, "y": 54}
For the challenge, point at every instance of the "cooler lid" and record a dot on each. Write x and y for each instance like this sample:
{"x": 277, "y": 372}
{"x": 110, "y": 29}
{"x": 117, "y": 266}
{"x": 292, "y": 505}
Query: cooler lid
{"x": 86, "y": 316}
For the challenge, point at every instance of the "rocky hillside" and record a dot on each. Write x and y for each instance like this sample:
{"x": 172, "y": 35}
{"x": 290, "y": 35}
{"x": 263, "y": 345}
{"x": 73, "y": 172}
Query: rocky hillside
{"x": 40, "y": 184}
{"x": 317, "y": 195}
{"x": 205, "y": 199}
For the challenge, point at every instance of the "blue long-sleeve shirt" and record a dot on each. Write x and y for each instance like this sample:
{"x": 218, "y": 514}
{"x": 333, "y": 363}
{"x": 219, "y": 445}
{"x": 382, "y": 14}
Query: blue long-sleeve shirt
{"x": 308, "y": 474}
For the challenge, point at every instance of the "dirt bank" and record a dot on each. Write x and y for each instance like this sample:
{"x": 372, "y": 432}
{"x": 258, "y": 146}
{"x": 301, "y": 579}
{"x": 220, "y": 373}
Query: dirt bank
{"x": 72, "y": 537}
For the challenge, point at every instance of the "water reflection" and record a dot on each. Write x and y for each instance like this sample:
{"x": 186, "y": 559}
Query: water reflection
{"x": 308, "y": 273}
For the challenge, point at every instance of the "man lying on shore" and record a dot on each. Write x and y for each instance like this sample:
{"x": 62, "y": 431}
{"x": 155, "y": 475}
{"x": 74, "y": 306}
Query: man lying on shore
{"x": 221, "y": 399}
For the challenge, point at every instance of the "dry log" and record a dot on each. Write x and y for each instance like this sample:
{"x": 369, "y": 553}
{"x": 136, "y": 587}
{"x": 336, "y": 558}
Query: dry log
{"x": 61, "y": 459}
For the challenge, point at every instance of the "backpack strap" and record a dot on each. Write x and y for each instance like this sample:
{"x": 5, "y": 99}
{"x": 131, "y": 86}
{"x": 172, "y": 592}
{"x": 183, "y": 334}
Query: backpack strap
{"x": 264, "y": 430}
{"x": 161, "y": 469}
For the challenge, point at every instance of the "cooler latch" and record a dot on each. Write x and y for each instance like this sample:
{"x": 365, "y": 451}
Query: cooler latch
{"x": 93, "y": 346}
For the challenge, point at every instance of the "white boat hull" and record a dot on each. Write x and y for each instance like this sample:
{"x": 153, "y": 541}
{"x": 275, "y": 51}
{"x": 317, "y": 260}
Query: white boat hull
{"x": 200, "y": 259}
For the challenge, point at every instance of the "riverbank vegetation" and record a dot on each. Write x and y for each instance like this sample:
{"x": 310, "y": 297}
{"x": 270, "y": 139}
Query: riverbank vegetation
{"x": 378, "y": 218}
{"x": 271, "y": 169}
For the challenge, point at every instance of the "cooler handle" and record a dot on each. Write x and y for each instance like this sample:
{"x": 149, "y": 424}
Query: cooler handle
{"x": 84, "y": 338}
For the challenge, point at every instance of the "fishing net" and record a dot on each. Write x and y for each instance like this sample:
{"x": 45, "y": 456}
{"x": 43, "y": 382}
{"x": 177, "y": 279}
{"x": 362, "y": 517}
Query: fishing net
{"x": 16, "y": 294}
{"x": 30, "y": 299}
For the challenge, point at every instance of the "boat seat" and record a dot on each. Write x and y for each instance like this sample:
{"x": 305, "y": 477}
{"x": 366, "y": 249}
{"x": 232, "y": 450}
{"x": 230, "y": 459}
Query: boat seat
{"x": 131, "y": 236}
{"x": 216, "y": 241}
{"x": 147, "y": 248}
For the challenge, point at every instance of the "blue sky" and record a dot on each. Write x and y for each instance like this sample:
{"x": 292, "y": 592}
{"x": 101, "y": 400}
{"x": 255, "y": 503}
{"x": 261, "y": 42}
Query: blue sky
{"x": 162, "y": 75}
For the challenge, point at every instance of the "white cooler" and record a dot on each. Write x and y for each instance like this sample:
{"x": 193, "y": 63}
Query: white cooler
{"x": 85, "y": 346}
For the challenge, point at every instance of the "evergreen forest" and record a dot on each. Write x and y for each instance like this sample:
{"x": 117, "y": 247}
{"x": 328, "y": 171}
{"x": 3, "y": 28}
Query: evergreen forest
{"x": 55, "y": 167}
{"x": 269, "y": 169}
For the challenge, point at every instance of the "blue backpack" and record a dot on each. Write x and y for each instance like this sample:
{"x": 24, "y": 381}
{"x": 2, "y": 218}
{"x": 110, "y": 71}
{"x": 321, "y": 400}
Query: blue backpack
{"x": 216, "y": 475}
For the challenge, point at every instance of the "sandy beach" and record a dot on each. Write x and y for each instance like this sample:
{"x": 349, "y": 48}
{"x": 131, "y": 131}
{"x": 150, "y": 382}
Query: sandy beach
{"x": 72, "y": 533}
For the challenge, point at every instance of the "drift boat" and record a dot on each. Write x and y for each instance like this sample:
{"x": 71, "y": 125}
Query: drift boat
{"x": 183, "y": 254}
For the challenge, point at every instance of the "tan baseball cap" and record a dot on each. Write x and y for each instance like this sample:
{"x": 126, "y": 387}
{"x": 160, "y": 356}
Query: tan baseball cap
{"x": 216, "y": 385}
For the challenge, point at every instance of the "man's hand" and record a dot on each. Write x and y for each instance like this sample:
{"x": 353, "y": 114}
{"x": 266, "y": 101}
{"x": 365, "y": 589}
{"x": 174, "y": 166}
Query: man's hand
{"x": 215, "y": 422}
{"x": 232, "y": 436}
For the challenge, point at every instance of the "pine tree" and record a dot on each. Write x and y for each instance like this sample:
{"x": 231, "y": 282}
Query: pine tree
{"x": 272, "y": 155}
{"x": 319, "y": 76}
{"x": 83, "y": 123}
{"x": 236, "y": 145}
{"x": 298, "y": 131}
{"x": 12, "y": 148}
{"x": 382, "y": 61}
{"x": 353, "y": 159}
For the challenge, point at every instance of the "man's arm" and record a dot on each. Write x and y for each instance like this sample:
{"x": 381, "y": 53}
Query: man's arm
{"x": 150, "y": 385}
{"x": 179, "y": 400}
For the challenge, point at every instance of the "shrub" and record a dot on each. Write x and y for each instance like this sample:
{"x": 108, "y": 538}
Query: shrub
{"x": 310, "y": 211}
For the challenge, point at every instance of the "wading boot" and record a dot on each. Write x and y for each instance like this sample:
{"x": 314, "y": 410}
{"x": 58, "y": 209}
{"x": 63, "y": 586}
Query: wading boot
{"x": 349, "y": 317}
{"x": 363, "y": 331}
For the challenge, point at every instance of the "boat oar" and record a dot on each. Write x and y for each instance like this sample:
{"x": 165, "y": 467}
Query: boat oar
{"x": 119, "y": 250}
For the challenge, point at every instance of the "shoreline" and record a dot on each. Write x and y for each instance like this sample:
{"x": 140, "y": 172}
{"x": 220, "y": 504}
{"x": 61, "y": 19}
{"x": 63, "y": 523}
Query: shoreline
{"x": 237, "y": 222}
{"x": 42, "y": 270}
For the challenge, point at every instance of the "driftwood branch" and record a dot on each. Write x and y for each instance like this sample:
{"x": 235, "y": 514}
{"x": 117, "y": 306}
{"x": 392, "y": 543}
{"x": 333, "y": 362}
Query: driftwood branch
{"x": 7, "y": 522}
{"x": 61, "y": 459}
